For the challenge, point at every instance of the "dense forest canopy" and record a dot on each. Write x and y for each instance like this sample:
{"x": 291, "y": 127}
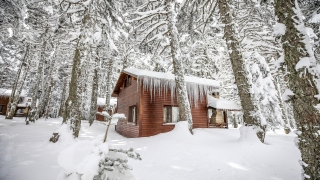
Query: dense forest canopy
{"x": 68, "y": 53}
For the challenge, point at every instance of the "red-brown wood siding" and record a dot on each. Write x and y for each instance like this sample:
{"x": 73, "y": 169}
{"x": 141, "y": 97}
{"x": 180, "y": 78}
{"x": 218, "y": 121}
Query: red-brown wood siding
{"x": 150, "y": 112}
{"x": 98, "y": 116}
{"x": 128, "y": 96}
{"x": 4, "y": 102}
{"x": 152, "y": 120}
{"x": 200, "y": 115}
{"x": 127, "y": 129}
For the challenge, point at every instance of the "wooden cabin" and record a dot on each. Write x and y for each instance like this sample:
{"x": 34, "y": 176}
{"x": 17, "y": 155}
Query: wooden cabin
{"x": 101, "y": 103}
{"x": 149, "y": 102}
{"x": 4, "y": 100}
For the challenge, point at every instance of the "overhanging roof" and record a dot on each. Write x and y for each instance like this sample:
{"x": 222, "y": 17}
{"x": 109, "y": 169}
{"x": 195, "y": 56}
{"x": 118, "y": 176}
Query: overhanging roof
{"x": 138, "y": 73}
{"x": 222, "y": 104}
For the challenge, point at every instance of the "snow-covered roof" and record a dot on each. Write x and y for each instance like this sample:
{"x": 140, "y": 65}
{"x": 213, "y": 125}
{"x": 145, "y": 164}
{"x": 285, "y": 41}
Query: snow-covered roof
{"x": 169, "y": 76}
{"x": 222, "y": 104}
{"x": 102, "y": 101}
{"x": 197, "y": 88}
{"x": 24, "y": 101}
{"x": 7, "y": 92}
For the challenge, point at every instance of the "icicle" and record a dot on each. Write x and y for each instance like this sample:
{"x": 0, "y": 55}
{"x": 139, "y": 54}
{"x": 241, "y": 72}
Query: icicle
{"x": 155, "y": 86}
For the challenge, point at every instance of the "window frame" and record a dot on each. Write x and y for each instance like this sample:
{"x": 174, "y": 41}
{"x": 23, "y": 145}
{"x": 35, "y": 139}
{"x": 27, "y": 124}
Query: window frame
{"x": 127, "y": 81}
{"x": 130, "y": 120}
{"x": 170, "y": 107}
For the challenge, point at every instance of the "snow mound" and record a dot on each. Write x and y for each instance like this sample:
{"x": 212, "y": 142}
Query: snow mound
{"x": 66, "y": 138}
{"x": 181, "y": 130}
{"x": 81, "y": 155}
{"x": 249, "y": 134}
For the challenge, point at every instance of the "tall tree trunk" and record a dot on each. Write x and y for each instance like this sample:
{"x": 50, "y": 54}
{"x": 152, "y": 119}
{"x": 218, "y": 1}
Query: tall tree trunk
{"x": 94, "y": 93}
{"x": 73, "y": 106}
{"x": 46, "y": 89}
{"x": 35, "y": 94}
{"x": 181, "y": 88}
{"x": 18, "y": 84}
{"x": 49, "y": 98}
{"x": 72, "y": 111}
{"x": 238, "y": 68}
{"x": 301, "y": 83}
{"x": 108, "y": 108}
{"x": 63, "y": 97}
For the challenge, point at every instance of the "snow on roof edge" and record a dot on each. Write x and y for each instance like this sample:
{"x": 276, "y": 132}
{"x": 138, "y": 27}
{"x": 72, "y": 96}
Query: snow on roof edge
{"x": 170, "y": 77}
{"x": 7, "y": 92}
{"x": 222, "y": 104}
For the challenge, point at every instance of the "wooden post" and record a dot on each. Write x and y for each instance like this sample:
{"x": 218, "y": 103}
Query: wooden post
{"x": 225, "y": 117}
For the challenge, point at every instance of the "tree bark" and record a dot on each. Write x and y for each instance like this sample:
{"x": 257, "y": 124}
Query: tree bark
{"x": 108, "y": 108}
{"x": 49, "y": 98}
{"x": 72, "y": 111}
{"x": 301, "y": 83}
{"x": 63, "y": 97}
{"x": 45, "y": 95}
{"x": 73, "y": 106}
{"x": 94, "y": 93}
{"x": 238, "y": 68}
{"x": 18, "y": 85}
{"x": 181, "y": 88}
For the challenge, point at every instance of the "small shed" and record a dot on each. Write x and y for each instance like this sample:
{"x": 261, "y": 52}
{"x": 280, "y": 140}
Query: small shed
{"x": 148, "y": 100}
{"x": 218, "y": 110}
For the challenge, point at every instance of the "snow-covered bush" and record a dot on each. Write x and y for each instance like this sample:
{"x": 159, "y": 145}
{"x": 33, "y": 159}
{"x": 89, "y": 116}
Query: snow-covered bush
{"x": 93, "y": 159}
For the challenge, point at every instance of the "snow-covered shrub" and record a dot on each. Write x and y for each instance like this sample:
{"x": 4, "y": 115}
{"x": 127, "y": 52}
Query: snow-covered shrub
{"x": 94, "y": 160}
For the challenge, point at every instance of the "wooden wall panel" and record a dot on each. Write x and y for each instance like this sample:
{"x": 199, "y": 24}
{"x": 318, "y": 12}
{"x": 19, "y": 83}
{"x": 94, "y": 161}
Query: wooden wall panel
{"x": 128, "y": 96}
{"x": 98, "y": 116}
{"x": 150, "y": 112}
{"x": 200, "y": 115}
{"x": 152, "y": 123}
{"x": 126, "y": 129}
{"x": 4, "y": 102}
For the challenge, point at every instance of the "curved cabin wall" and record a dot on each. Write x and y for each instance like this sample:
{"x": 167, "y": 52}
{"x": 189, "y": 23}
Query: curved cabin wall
{"x": 128, "y": 96}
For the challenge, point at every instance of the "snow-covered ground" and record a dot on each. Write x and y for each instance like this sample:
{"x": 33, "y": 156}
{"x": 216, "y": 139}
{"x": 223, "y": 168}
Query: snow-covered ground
{"x": 210, "y": 154}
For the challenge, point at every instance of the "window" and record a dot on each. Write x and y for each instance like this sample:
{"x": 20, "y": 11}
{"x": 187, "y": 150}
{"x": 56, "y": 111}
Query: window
{"x": 132, "y": 114}
{"x": 1, "y": 108}
{"x": 171, "y": 114}
{"x": 127, "y": 81}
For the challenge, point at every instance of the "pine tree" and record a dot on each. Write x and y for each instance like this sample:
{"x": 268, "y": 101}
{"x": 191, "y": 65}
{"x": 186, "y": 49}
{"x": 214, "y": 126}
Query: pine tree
{"x": 239, "y": 71}
{"x": 300, "y": 63}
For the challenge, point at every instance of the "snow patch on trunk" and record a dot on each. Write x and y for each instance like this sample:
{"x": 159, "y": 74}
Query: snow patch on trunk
{"x": 279, "y": 29}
